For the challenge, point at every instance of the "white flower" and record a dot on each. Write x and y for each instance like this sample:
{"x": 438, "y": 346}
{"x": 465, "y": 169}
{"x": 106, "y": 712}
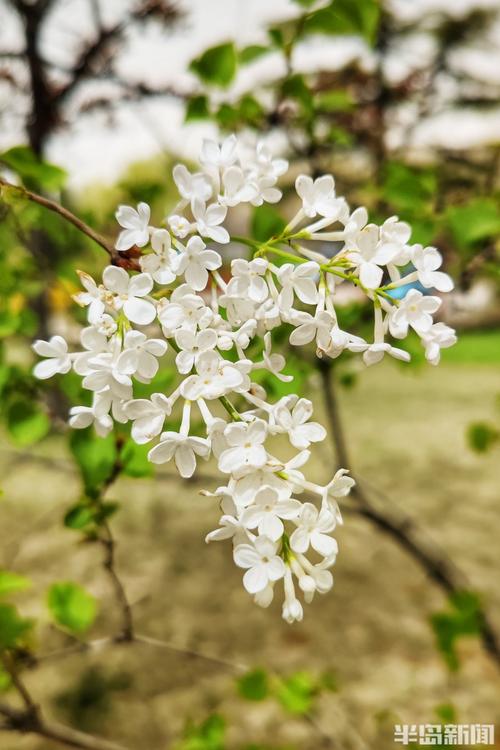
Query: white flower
{"x": 318, "y": 196}
{"x": 426, "y": 261}
{"x": 182, "y": 448}
{"x": 246, "y": 450}
{"x": 370, "y": 253}
{"x": 340, "y": 486}
{"x": 98, "y": 414}
{"x": 148, "y": 416}
{"x": 208, "y": 220}
{"x": 135, "y": 225}
{"x": 140, "y": 354}
{"x": 108, "y": 373}
{"x": 245, "y": 488}
{"x": 128, "y": 292}
{"x": 438, "y": 336}
{"x": 160, "y": 264}
{"x": 191, "y": 186}
{"x": 264, "y": 165}
{"x": 320, "y": 327}
{"x": 266, "y": 512}
{"x": 58, "y": 360}
{"x": 262, "y": 561}
{"x": 192, "y": 346}
{"x": 292, "y": 609}
{"x": 296, "y": 423}
{"x": 374, "y": 353}
{"x": 179, "y": 225}
{"x": 185, "y": 310}
{"x": 299, "y": 279}
{"x": 237, "y": 189}
{"x": 92, "y": 297}
{"x": 214, "y": 378}
{"x": 414, "y": 310}
{"x": 195, "y": 261}
{"x": 313, "y": 527}
{"x": 219, "y": 157}
{"x": 274, "y": 362}
{"x": 247, "y": 279}
{"x": 95, "y": 343}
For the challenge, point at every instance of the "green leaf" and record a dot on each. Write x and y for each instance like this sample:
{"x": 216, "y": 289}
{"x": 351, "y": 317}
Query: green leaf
{"x": 197, "y": 109}
{"x": 134, "y": 459}
{"x": 227, "y": 116}
{"x": 209, "y": 735}
{"x": 254, "y": 686}
{"x": 296, "y": 693}
{"x": 12, "y": 626}
{"x": 71, "y": 606}
{"x": 336, "y": 100}
{"x": 482, "y": 436}
{"x": 12, "y": 582}
{"x": 464, "y": 619}
{"x": 473, "y": 222}
{"x": 250, "y": 110}
{"x": 346, "y": 17}
{"x": 79, "y": 516}
{"x": 31, "y": 169}
{"x": 305, "y": 3}
{"x": 251, "y": 53}
{"x": 408, "y": 188}
{"x": 216, "y": 65}
{"x": 5, "y": 681}
{"x": 26, "y": 423}
{"x": 266, "y": 223}
{"x": 95, "y": 457}
{"x": 296, "y": 88}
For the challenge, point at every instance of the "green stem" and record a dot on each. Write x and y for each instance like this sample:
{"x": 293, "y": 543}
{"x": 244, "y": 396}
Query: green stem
{"x": 233, "y": 413}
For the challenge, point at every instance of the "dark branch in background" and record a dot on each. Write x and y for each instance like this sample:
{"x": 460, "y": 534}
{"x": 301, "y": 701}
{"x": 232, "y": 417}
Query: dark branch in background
{"x": 29, "y": 720}
{"x": 399, "y": 525}
{"x": 106, "y": 539}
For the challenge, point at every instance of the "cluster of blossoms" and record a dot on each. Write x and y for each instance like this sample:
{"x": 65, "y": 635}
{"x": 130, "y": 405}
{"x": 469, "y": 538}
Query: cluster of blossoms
{"x": 219, "y": 332}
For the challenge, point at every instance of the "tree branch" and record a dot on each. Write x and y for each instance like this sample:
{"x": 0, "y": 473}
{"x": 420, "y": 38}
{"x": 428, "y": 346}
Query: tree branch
{"x": 30, "y": 720}
{"x": 126, "y": 260}
{"x": 400, "y": 525}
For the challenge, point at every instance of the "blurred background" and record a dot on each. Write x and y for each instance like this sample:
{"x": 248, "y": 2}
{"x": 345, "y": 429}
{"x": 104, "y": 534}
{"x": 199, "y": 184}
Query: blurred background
{"x": 400, "y": 101}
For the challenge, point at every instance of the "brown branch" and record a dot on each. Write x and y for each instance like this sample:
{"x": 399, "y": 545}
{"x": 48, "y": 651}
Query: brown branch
{"x": 63, "y": 212}
{"x": 30, "y": 720}
{"x": 19, "y": 720}
{"x": 126, "y": 260}
{"x": 401, "y": 526}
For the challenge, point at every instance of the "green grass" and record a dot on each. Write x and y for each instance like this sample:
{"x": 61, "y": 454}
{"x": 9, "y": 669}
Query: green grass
{"x": 477, "y": 347}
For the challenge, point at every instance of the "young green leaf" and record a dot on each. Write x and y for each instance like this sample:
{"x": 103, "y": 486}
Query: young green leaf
{"x": 217, "y": 65}
{"x": 254, "y": 686}
{"x": 71, "y": 606}
{"x": 12, "y": 626}
{"x": 197, "y": 109}
{"x": 266, "y": 223}
{"x": 95, "y": 457}
{"x": 33, "y": 170}
{"x": 26, "y": 423}
{"x": 10, "y": 583}
{"x": 296, "y": 693}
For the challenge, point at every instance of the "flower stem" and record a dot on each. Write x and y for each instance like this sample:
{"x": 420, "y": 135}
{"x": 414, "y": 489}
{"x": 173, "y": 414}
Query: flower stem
{"x": 231, "y": 410}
